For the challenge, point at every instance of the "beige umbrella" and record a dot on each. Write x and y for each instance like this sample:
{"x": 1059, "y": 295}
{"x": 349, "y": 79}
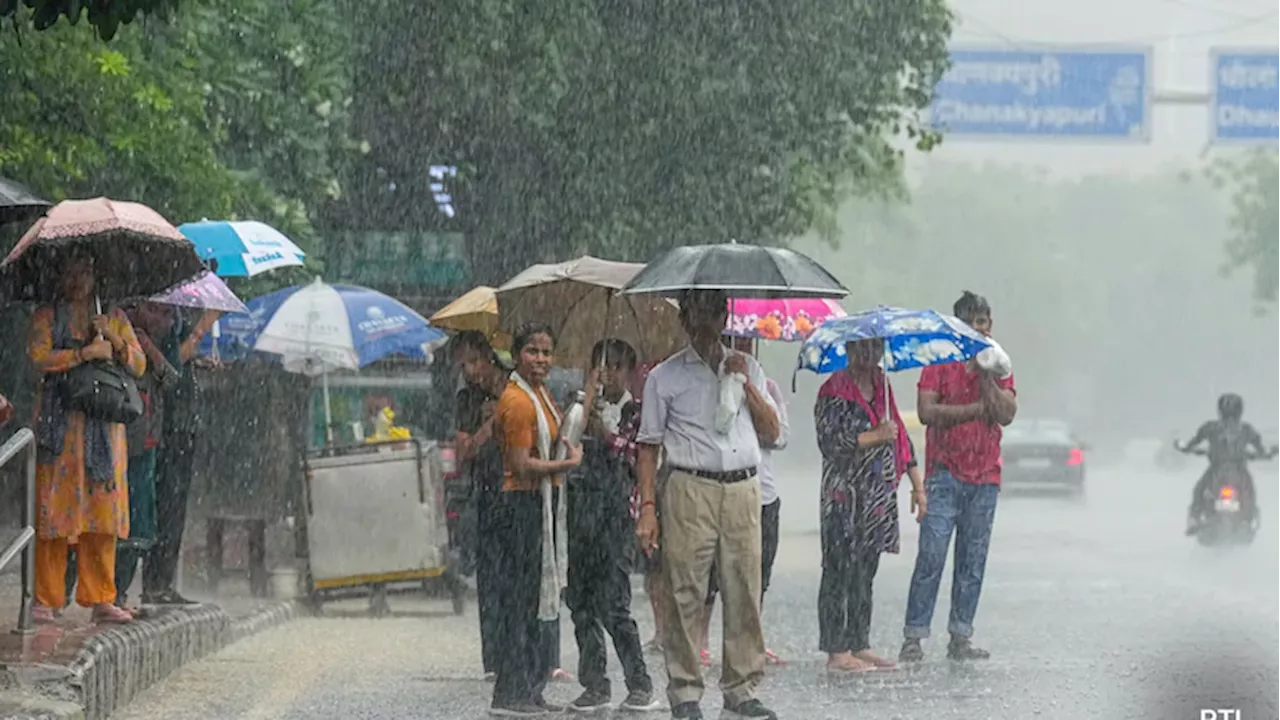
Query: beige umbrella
{"x": 476, "y": 309}
{"x": 579, "y": 299}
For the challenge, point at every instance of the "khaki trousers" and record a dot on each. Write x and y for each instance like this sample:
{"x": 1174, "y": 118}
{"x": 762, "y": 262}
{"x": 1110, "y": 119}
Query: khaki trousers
{"x": 705, "y": 520}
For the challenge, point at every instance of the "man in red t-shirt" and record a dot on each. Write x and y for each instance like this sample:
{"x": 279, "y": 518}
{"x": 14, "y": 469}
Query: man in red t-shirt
{"x": 964, "y": 408}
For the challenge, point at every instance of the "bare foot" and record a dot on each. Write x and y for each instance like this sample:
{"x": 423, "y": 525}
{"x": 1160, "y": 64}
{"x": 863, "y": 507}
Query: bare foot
{"x": 847, "y": 662}
{"x": 560, "y": 675}
{"x": 875, "y": 660}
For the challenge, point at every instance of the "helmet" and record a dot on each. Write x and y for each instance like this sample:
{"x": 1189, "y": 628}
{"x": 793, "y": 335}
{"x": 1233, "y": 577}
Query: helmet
{"x": 1231, "y": 406}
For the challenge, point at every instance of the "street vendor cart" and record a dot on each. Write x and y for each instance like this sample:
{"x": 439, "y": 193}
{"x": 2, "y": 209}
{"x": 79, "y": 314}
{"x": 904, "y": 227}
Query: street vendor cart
{"x": 374, "y": 517}
{"x": 375, "y": 520}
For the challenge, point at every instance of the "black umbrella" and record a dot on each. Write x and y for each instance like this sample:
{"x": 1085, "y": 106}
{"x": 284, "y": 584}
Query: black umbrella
{"x": 17, "y": 202}
{"x": 746, "y": 271}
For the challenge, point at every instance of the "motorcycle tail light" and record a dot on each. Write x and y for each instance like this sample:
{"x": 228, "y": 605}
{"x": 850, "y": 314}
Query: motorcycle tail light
{"x": 1076, "y": 457}
{"x": 1228, "y": 493}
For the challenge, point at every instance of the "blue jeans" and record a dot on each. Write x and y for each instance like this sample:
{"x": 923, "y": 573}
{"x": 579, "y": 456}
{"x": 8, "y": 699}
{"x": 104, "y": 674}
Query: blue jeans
{"x": 970, "y": 510}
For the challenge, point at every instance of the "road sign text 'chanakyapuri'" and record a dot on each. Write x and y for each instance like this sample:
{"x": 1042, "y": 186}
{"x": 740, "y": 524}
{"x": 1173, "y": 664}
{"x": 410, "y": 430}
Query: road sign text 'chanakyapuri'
{"x": 1045, "y": 93}
{"x": 1245, "y": 85}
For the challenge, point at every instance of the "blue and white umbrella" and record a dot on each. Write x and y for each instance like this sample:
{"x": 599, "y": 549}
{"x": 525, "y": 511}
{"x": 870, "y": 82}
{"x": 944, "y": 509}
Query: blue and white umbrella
{"x": 316, "y": 328}
{"x": 242, "y": 248}
{"x": 913, "y": 339}
{"x": 319, "y": 328}
{"x": 239, "y": 331}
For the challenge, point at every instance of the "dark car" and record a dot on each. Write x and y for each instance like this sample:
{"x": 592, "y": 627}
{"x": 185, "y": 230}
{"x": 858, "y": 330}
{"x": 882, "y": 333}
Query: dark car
{"x": 1042, "y": 455}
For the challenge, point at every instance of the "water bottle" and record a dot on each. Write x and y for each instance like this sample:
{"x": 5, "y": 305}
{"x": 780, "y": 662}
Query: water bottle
{"x": 572, "y": 427}
{"x": 575, "y": 421}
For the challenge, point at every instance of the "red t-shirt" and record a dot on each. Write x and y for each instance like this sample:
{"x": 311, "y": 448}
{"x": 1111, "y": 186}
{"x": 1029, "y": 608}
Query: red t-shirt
{"x": 970, "y": 451}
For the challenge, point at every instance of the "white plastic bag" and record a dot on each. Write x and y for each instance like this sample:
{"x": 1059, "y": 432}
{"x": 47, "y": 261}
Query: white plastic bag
{"x": 733, "y": 392}
{"x": 995, "y": 360}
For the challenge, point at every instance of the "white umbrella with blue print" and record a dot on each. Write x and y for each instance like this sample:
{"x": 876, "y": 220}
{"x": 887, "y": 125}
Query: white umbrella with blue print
{"x": 912, "y": 339}
{"x": 318, "y": 328}
{"x": 242, "y": 248}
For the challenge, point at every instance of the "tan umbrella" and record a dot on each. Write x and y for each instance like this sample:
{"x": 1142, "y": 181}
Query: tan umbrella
{"x": 579, "y": 299}
{"x": 135, "y": 251}
{"x": 476, "y": 309}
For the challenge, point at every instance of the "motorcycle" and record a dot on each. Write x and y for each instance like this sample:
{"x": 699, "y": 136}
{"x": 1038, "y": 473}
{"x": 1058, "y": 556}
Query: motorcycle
{"x": 1228, "y": 516}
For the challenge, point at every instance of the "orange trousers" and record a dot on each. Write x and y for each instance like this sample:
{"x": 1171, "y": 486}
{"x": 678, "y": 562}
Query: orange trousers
{"x": 96, "y": 565}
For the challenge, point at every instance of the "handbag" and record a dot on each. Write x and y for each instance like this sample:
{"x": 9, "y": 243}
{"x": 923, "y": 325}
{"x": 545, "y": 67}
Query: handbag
{"x": 103, "y": 391}
{"x": 99, "y": 389}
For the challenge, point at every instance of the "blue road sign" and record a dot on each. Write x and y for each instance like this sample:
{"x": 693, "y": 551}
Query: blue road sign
{"x": 1045, "y": 93}
{"x": 1246, "y": 95}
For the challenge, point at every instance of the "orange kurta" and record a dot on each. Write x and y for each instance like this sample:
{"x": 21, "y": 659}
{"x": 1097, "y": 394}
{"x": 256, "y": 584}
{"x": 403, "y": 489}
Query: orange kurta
{"x": 517, "y": 427}
{"x": 68, "y": 504}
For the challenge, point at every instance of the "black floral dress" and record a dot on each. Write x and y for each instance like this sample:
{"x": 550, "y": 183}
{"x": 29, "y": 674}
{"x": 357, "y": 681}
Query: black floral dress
{"x": 859, "y": 486}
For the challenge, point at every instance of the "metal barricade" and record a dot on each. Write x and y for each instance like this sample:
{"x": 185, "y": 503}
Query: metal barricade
{"x": 24, "y": 543}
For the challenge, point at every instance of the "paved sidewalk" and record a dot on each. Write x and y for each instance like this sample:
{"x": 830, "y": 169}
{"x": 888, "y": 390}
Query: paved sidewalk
{"x": 76, "y": 669}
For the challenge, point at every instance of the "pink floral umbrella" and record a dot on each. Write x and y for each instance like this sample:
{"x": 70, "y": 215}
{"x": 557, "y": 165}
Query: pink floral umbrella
{"x": 205, "y": 291}
{"x": 135, "y": 251}
{"x": 786, "y": 319}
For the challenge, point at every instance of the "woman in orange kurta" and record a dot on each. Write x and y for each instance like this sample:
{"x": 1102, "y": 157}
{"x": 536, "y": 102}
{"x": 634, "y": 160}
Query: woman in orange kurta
{"x": 82, "y": 494}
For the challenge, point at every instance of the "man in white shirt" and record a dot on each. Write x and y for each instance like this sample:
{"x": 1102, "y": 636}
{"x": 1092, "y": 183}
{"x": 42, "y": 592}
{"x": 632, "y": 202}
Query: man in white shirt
{"x": 770, "y": 506}
{"x": 710, "y": 505}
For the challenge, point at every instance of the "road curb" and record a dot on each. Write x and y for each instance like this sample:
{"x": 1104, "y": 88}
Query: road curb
{"x": 116, "y": 665}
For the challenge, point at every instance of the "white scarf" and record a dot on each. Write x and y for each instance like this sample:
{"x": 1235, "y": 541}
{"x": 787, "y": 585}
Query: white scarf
{"x": 555, "y": 527}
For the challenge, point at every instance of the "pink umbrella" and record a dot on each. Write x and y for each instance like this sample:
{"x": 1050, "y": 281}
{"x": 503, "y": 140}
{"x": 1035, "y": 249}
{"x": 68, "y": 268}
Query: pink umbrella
{"x": 135, "y": 251}
{"x": 786, "y": 319}
{"x": 205, "y": 291}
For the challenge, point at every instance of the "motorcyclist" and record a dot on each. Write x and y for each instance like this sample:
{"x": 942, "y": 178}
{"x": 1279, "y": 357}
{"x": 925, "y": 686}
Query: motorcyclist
{"x": 1230, "y": 440}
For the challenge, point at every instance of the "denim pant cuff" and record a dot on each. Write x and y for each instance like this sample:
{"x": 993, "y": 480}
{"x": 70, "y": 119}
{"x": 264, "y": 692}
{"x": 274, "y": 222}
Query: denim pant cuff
{"x": 963, "y": 630}
{"x": 915, "y": 633}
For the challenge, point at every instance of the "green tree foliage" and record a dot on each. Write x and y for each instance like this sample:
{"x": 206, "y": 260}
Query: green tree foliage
{"x": 104, "y": 16}
{"x": 236, "y": 109}
{"x": 1253, "y": 180}
{"x": 622, "y": 129}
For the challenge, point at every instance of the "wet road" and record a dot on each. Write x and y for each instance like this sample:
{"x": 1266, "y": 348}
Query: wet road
{"x": 1095, "y": 611}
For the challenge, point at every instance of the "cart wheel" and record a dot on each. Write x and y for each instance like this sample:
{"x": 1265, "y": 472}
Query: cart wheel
{"x": 314, "y": 599}
{"x": 459, "y": 598}
{"x": 378, "y": 606}
{"x": 315, "y": 602}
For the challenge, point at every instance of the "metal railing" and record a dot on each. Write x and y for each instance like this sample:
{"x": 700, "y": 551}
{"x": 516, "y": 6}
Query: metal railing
{"x": 24, "y": 543}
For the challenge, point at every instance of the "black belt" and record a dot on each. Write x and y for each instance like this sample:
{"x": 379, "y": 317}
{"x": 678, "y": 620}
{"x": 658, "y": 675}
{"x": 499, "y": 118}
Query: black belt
{"x": 731, "y": 476}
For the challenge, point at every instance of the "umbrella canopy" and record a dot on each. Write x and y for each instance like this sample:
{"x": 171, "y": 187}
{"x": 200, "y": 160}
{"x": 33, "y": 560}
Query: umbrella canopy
{"x": 206, "y": 291}
{"x": 745, "y": 271}
{"x": 18, "y": 202}
{"x": 913, "y": 339}
{"x": 135, "y": 251}
{"x": 476, "y": 309}
{"x": 237, "y": 333}
{"x": 579, "y": 299}
{"x": 786, "y": 319}
{"x": 317, "y": 328}
{"x": 242, "y": 248}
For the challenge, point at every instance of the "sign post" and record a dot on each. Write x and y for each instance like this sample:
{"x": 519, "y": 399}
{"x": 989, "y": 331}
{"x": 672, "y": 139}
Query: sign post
{"x": 1045, "y": 93}
{"x": 1245, "y": 101}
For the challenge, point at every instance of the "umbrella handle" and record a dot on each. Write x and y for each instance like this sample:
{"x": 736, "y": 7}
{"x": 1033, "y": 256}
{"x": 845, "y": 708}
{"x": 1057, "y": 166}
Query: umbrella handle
{"x": 97, "y": 309}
